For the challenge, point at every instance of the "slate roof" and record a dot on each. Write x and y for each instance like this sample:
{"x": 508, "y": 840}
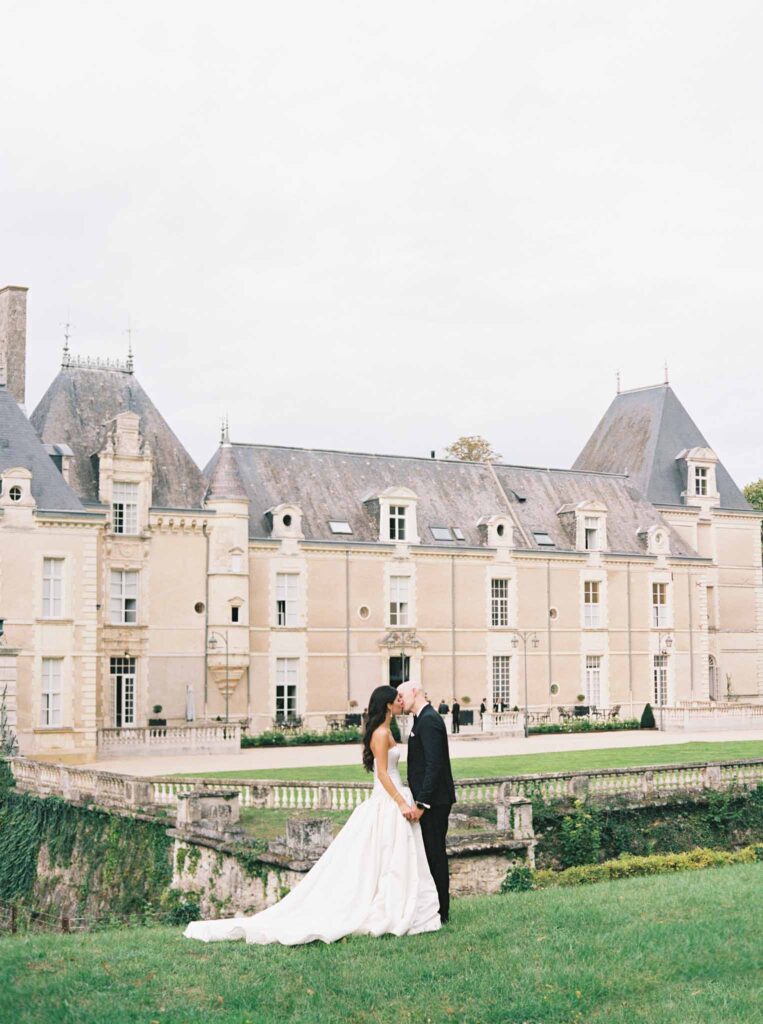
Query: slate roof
{"x": 642, "y": 432}
{"x": 20, "y": 446}
{"x": 225, "y": 481}
{"x": 331, "y": 485}
{"x": 76, "y": 409}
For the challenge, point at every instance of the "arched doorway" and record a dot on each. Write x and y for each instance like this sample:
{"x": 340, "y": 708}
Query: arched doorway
{"x": 715, "y": 687}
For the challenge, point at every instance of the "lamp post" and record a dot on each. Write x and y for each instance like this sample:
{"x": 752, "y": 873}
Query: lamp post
{"x": 524, "y": 635}
{"x": 663, "y": 646}
{"x": 212, "y": 645}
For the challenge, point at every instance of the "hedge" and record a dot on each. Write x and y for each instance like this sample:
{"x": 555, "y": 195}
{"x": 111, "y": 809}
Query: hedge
{"x": 584, "y": 725}
{"x": 276, "y": 738}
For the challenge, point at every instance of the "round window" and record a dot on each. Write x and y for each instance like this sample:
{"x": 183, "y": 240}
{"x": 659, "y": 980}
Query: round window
{"x": 199, "y": 607}
{"x": 554, "y": 689}
{"x": 15, "y": 493}
{"x": 287, "y": 520}
{"x": 658, "y": 538}
{"x": 553, "y": 613}
{"x": 363, "y": 611}
{"x": 500, "y": 529}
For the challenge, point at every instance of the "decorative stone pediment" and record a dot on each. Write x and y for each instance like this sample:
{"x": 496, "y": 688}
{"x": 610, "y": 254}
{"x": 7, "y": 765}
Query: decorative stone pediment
{"x": 398, "y": 639}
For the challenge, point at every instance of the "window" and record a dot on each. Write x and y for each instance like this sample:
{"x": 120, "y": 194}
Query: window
{"x": 591, "y": 526}
{"x": 236, "y": 561}
{"x": 398, "y": 600}
{"x": 659, "y": 605}
{"x": 441, "y": 532}
{"x": 339, "y": 526}
{"x": 52, "y": 588}
{"x": 122, "y": 671}
{"x": 660, "y": 678}
{"x": 499, "y": 602}
{"x": 501, "y": 679}
{"x": 235, "y": 613}
{"x": 591, "y": 604}
{"x": 286, "y": 598}
{"x": 399, "y": 669}
{"x": 593, "y": 679}
{"x": 700, "y": 480}
{"x": 458, "y": 533}
{"x": 397, "y": 522}
{"x": 124, "y": 597}
{"x": 543, "y": 540}
{"x": 50, "y": 706}
{"x": 15, "y": 493}
{"x": 124, "y": 508}
{"x": 287, "y": 677}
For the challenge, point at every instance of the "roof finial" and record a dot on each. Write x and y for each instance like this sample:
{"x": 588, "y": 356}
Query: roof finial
{"x": 130, "y": 363}
{"x": 224, "y": 431}
{"x": 617, "y": 377}
{"x": 66, "y": 357}
{"x": 666, "y": 372}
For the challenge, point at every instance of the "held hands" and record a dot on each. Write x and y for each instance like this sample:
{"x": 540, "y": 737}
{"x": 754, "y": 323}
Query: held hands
{"x": 409, "y": 813}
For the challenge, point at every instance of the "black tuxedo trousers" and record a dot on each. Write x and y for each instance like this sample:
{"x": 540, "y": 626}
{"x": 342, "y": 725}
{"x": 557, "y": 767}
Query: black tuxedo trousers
{"x": 431, "y": 781}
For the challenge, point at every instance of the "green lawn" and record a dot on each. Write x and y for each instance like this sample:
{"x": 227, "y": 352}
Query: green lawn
{"x": 517, "y": 764}
{"x": 676, "y": 949}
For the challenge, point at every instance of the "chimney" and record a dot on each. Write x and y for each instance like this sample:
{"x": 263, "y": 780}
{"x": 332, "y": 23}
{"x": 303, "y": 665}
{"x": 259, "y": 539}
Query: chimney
{"x": 13, "y": 339}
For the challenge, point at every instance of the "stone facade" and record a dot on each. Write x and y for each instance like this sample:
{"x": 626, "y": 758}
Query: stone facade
{"x": 291, "y": 582}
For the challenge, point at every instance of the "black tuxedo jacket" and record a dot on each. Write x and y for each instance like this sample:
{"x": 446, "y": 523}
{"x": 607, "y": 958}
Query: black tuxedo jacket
{"x": 429, "y": 774}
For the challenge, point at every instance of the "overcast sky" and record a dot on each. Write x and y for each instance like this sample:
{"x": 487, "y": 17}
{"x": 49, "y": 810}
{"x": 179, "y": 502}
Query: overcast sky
{"x": 378, "y": 226}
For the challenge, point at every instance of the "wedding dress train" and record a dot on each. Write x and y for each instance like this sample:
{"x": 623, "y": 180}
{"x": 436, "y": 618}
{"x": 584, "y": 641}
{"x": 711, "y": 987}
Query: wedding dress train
{"x": 372, "y": 880}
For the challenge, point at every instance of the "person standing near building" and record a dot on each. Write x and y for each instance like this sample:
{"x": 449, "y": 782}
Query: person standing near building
{"x": 456, "y": 709}
{"x": 443, "y": 707}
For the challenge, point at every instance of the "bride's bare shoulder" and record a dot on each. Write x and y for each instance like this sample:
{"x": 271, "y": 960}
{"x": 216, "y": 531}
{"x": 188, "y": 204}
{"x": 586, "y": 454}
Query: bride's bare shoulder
{"x": 380, "y": 735}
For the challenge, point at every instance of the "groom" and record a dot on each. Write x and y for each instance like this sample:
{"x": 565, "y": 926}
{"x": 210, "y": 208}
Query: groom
{"x": 431, "y": 782}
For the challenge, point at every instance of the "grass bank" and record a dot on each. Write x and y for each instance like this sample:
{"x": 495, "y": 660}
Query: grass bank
{"x": 518, "y": 764}
{"x": 663, "y": 950}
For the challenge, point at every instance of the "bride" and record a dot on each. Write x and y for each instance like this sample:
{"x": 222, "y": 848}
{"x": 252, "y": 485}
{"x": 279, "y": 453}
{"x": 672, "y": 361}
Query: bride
{"x": 374, "y": 877}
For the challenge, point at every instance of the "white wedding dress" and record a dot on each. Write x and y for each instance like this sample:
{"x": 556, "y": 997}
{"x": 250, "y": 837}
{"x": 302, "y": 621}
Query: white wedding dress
{"x": 372, "y": 880}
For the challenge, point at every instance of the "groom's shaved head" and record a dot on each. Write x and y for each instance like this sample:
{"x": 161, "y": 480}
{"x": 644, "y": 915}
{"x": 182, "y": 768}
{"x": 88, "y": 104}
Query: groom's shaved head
{"x": 409, "y": 691}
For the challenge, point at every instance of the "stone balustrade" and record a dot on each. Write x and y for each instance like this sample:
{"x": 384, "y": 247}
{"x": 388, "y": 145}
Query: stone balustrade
{"x": 640, "y": 784}
{"x": 218, "y": 738}
{"x": 710, "y": 715}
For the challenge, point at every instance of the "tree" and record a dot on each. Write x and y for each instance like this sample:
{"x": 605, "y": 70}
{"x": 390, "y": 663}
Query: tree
{"x": 754, "y": 494}
{"x": 472, "y": 448}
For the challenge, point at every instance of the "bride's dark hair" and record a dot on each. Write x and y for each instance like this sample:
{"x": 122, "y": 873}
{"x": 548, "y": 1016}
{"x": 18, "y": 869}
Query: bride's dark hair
{"x": 377, "y": 712}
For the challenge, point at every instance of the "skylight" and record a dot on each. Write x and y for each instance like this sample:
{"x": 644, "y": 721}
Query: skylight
{"x": 441, "y": 532}
{"x": 458, "y": 533}
{"x": 543, "y": 540}
{"x": 339, "y": 526}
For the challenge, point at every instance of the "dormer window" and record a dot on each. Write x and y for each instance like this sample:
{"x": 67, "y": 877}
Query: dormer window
{"x": 394, "y": 509}
{"x": 592, "y": 538}
{"x": 397, "y": 522}
{"x": 700, "y": 480}
{"x": 697, "y": 466}
{"x": 124, "y": 508}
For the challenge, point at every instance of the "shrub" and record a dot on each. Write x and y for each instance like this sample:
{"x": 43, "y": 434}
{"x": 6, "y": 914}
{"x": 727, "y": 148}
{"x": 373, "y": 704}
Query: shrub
{"x": 518, "y": 879}
{"x": 276, "y": 738}
{"x": 179, "y": 908}
{"x": 584, "y": 725}
{"x": 628, "y": 866}
{"x": 647, "y": 718}
{"x": 580, "y": 836}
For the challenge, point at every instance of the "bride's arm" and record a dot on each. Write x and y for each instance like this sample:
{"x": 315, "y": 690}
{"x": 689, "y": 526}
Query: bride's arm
{"x": 380, "y": 749}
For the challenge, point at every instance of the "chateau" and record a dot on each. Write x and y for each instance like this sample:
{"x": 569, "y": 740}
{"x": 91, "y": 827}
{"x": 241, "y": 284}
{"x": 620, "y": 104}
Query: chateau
{"x": 283, "y": 582}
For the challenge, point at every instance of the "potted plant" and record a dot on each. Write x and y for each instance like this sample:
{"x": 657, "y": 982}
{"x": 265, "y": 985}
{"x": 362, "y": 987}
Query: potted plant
{"x": 157, "y": 709}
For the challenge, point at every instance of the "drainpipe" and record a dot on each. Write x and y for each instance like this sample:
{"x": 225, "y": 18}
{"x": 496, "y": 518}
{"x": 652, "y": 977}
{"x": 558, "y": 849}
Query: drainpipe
{"x": 548, "y": 625}
{"x": 691, "y": 639}
{"x": 630, "y": 637}
{"x": 206, "y": 620}
{"x": 453, "y": 626}
{"x": 347, "y": 619}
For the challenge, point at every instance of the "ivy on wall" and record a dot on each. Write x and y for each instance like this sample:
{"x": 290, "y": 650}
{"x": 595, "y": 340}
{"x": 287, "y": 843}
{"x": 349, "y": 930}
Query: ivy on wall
{"x": 120, "y": 866}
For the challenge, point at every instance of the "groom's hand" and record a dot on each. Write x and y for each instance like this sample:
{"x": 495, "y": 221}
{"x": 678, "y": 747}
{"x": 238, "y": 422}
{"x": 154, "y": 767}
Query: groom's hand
{"x": 416, "y": 813}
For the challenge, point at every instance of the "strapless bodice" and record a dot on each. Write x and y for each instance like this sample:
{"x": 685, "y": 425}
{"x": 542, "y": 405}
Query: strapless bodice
{"x": 393, "y": 770}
